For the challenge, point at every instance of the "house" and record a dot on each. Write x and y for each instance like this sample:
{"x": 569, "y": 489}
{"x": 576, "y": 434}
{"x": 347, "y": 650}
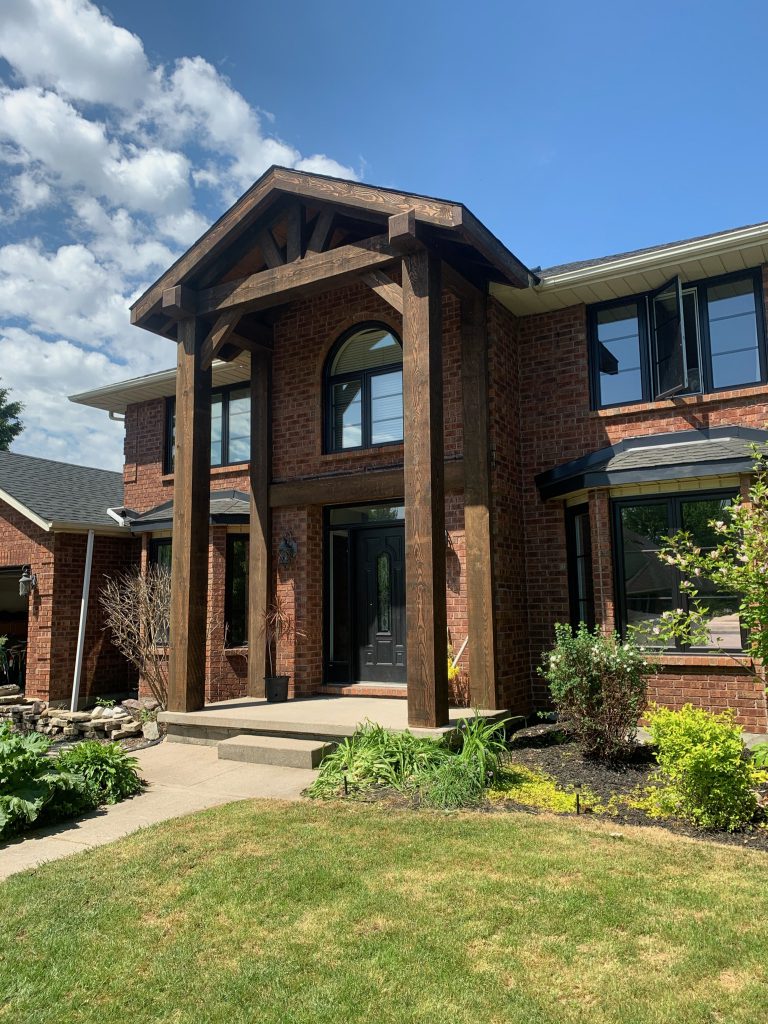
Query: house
{"x": 380, "y": 413}
{"x": 47, "y": 511}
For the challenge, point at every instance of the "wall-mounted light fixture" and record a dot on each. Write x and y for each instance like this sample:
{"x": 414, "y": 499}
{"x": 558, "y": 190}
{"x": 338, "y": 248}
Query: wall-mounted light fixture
{"x": 287, "y": 551}
{"x": 27, "y": 581}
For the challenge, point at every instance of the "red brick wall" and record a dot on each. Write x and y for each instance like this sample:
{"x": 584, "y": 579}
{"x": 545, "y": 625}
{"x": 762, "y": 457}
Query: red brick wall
{"x": 58, "y": 560}
{"x": 509, "y": 516}
{"x": 23, "y": 543}
{"x": 556, "y": 425}
{"x": 105, "y": 670}
{"x": 303, "y": 338}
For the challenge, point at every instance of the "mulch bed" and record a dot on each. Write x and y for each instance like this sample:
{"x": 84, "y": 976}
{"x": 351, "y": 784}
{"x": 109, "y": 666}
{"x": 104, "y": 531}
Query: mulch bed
{"x": 550, "y": 750}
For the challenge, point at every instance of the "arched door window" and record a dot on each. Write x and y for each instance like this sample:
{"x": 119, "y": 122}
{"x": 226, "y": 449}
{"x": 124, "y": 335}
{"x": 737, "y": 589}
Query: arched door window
{"x": 364, "y": 389}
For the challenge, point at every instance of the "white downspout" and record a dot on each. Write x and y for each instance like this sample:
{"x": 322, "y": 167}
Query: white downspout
{"x": 83, "y": 619}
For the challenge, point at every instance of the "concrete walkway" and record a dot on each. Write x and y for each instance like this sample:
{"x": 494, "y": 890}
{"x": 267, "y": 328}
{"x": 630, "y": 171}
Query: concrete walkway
{"x": 182, "y": 779}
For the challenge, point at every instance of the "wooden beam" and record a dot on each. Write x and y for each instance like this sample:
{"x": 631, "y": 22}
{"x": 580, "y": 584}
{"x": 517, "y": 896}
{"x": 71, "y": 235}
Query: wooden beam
{"x": 477, "y": 503}
{"x": 425, "y": 600}
{"x": 259, "y": 530}
{"x": 179, "y": 302}
{"x": 385, "y": 287}
{"x": 218, "y": 337}
{"x": 402, "y": 230}
{"x": 189, "y": 556}
{"x": 294, "y": 233}
{"x": 296, "y": 280}
{"x": 351, "y": 488}
{"x": 321, "y": 231}
{"x": 272, "y": 255}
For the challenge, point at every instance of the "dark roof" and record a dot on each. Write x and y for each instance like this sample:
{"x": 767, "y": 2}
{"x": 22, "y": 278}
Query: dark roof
{"x": 59, "y": 492}
{"x": 225, "y": 507}
{"x": 681, "y": 455}
{"x": 565, "y": 268}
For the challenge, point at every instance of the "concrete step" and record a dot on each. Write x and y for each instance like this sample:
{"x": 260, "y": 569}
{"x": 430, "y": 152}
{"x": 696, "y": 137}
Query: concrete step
{"x": 277, "y": 750}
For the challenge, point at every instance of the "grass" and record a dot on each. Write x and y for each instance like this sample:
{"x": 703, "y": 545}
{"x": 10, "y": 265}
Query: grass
{"x": 336, "y": 912}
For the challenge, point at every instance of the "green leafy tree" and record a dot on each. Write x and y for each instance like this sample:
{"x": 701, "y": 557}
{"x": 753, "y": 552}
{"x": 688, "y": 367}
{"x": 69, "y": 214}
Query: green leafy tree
{"x": 736, "y": 564}
{"x": 10, "y": 424}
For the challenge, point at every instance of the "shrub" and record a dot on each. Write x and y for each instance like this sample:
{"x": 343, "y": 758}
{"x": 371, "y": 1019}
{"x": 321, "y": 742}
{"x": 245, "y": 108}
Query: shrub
{"x": 439, "y": 772}
{"x": 33, "y": 788}
{"x": 106, "y": 766}
{"x": 705, "y": 773}
{"x": 599, "y": 684}
{"x": 375, "y": 757}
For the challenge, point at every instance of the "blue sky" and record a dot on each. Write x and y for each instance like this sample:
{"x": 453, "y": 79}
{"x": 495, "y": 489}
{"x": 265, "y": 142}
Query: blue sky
{"x": 572, "y": 130}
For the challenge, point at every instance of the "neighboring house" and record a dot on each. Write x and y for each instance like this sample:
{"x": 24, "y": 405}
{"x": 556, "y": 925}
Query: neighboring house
{"x": 410, "y": 435}
{"x": 46, "y": 512}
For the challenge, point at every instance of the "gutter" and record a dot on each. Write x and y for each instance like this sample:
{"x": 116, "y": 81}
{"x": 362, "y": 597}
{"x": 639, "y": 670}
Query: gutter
{"x": 654, "y": 258}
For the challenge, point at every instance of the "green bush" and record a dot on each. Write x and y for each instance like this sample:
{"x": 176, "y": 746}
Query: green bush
{"x": 106, "y": 766}
{"x": 705, "y": 773}
{"x": 33, "y": 788}
{"x": 599, "y": 684}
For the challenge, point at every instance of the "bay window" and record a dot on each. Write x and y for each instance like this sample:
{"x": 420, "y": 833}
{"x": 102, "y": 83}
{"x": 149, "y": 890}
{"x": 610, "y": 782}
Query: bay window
{"x": 647, "y": 587}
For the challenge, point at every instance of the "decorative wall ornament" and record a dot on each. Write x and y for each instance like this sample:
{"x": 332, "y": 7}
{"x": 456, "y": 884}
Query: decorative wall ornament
{"x": 287, "y": 550}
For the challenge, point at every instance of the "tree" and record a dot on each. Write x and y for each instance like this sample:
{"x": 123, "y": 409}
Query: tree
{"x": 10, "y": 424}
{"x": 737, "y": 564}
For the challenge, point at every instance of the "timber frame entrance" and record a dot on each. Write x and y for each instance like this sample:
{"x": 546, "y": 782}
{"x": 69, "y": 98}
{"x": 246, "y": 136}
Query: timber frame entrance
{"x": 294, "y": 235}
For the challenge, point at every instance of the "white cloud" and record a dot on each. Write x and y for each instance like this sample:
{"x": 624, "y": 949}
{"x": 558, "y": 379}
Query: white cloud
{"x": 72, "y": 46}
{"x": 116, "y": 159}
{"x": 31, "y": 192}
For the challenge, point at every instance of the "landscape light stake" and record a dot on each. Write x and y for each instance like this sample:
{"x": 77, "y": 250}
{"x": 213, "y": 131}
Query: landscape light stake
{"x": 577, "y": 787}
{"x": 346, "y": 784}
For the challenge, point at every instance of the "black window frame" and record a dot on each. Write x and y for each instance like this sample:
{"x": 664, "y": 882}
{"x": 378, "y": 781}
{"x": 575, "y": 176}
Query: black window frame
{"x": 169, "y": 438}
{"x": 232, "y": 539}
{"x": 572, "y": 513}
{"x": 365, "y": 377}
{"x": 642, "y": 300}
{"x": 674, "y": 500}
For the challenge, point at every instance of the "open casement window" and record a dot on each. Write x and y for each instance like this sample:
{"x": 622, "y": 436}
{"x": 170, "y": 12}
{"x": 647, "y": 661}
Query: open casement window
{"x": 668, "y": 339}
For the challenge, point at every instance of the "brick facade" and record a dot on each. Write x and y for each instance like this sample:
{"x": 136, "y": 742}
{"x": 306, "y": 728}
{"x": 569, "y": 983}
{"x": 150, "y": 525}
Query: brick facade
{"x": 540, "y": 417}
{"x": 553, "y": 361}
{"x": 304, "y": 337}
{"x": 58, "y": 561}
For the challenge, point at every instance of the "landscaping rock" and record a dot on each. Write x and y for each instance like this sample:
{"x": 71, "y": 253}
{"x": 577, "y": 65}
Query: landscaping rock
{"x": 9, "y": 690}
{"x": 151, "y": 731}
{"x": 98, "y": 712}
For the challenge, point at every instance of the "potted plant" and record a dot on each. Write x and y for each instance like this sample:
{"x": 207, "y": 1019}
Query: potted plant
{"x": 279, "y": 626}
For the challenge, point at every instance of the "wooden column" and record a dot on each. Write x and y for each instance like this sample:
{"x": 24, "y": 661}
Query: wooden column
{"x": 259, "y": 547}
{"x": 191, "y": 513}
{"x": 426, "y": 626}
{"x": 477, "y": 519}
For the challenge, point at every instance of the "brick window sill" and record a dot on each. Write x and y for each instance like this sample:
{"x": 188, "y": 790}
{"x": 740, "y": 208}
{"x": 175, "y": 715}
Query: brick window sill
{"x": 237, "y": 651}
{"x": 687, "y": 402}
{"x": 704, "y": 660}
{"x": 236, "y": 469}
{"x": 362, "y": 454}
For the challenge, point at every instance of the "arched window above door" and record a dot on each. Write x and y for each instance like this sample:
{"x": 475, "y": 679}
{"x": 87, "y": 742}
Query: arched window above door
{"x": 364, "y": 389}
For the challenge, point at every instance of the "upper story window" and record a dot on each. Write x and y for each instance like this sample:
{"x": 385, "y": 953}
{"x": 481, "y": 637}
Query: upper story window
{"x": 677, "y": 340}
{"x": 364, "y": 389}
{"x": 230, "y": 427}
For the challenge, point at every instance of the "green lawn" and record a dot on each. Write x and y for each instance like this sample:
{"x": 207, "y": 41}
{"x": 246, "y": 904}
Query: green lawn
{"x": 264, "y": 912}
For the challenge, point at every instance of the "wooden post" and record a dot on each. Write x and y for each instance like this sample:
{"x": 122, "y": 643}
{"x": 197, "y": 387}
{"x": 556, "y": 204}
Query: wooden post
{"x": 426, "y": 626}
{"x": 191, "y": 513}
{"x": 259, "y": 546}
{"x": 477, "y": 520}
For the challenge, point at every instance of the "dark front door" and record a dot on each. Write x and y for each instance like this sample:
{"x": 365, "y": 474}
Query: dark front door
{"x": 379, "y": 604}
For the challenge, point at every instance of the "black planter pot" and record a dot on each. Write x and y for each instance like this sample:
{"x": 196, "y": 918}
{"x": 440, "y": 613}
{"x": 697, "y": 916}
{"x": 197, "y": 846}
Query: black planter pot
{"x": 276, "y": 688}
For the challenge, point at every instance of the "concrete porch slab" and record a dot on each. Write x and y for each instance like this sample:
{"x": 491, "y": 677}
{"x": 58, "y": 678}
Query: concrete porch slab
{"x": 320, "y": 718}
